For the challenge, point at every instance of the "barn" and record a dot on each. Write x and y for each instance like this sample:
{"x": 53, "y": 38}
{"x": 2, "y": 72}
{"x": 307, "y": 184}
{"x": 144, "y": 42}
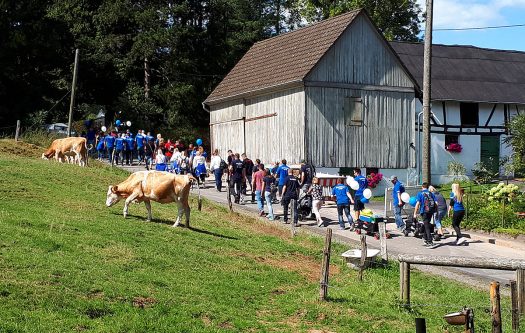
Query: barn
{"x": 334, "y": 93}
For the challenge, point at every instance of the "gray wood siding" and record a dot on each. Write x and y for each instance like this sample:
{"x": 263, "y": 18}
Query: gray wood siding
{"x": 229, "y": 135}
{"x": 361, "y": 56}
{"x": 383, "y": 141}
{"x": 276, "y": 137}
{"x": 232, "y": 110}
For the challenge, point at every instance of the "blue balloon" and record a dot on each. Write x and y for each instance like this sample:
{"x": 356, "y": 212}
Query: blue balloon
{"x": 199, "y": 142}
{"x": 118, "y": 122}
{"x": 364, "y": 200}
{"x": 412, "y": 201}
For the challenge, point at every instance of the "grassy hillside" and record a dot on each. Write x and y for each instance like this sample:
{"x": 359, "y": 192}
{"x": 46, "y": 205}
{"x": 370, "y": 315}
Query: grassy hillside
{"x": 68, "y": 263}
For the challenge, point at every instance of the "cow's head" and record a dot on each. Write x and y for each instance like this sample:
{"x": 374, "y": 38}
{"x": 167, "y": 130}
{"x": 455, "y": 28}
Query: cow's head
{"x": 113, "y": 196}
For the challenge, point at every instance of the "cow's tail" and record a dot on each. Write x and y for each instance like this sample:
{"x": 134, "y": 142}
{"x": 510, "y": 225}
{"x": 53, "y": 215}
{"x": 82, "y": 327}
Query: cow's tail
{"x": 193, "y": 179}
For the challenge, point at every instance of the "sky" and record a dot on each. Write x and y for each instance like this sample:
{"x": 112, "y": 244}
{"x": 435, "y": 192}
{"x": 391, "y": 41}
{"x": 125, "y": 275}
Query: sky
{"x": 479, "y": 13}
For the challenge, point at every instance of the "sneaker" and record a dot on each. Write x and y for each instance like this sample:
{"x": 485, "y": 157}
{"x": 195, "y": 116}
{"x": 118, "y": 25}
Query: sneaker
{"x": 261, "y": 213}
{"x": 460, "y": 241}
{"x": 270, "y": 218}
{"x": 320, "y": 223}
{"x": 341, "y": 228}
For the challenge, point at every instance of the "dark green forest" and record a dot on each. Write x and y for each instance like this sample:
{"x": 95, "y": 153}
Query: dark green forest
{"x": 184, "y": 48}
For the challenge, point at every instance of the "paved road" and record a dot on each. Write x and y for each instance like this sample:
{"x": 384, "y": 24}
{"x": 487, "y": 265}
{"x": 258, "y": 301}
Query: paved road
{"x": 398, "y": 244}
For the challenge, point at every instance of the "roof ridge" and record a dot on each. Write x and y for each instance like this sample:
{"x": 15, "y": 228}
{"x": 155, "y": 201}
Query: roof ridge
{"x": 324, "y": 21}
{"x": 462, "y": 46}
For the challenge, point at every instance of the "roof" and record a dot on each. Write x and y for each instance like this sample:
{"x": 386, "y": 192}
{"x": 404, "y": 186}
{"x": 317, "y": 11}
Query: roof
{"x": 284, "y": 59}
{"x": 468, "y": 73}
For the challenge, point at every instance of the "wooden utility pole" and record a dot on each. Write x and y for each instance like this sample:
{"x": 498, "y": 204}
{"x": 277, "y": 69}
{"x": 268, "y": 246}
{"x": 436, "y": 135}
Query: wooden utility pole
{"x": 73, "y": 90}
{"x": 427, "y": 72}
{"x": 146, "y": 77}
{"x": 17, "y": 133}
{"x": 404, "y": 283}
{"x": 325, "y": 266}
{"x": 496, "y": 310}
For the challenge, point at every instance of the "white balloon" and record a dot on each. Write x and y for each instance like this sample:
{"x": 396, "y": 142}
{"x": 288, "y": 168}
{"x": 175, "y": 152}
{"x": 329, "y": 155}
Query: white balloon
{"x": 103, "y": 128}
{"x": 405, "y": 197}
{"x": 367, "y": 193}
{"x": 349, "y": 180}
{"x": 128, "y": 123}
{"x": 354, "y": 185}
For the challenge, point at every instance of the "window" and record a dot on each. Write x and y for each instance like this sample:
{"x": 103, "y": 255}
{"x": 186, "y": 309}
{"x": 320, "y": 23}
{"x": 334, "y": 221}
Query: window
{"x": 469, "y": 113}
{"x": 451, "y": 138}
{"x": 353, "y": 109}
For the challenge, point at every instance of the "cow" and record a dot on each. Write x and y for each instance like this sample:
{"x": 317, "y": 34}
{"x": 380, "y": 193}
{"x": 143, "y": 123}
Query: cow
{"x": 73, "y": 150}
{"x": 159, "y": 186}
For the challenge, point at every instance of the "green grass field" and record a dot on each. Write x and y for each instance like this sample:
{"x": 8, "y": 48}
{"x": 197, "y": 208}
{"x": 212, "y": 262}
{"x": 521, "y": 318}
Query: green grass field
{"x": 70, "y": 264}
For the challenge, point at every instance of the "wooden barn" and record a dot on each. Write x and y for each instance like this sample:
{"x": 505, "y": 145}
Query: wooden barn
{"x": 334, "y": 93}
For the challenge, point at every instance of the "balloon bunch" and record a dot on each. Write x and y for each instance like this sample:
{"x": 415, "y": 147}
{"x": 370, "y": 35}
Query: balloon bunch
{"x": 406, "y": 198}
{"x": 354, "y": 185}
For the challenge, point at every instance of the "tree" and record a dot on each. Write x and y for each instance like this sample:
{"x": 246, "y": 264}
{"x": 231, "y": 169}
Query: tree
{"x": 396, "y": 19}
{"x": 516, "y": 140}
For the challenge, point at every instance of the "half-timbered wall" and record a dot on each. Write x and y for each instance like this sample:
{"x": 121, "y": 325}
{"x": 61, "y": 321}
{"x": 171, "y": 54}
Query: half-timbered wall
{"x": 383, "y": 141}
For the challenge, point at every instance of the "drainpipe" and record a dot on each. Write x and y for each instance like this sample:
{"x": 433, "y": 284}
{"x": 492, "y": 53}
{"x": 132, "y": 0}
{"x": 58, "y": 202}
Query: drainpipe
{"x": 205, "y": 107}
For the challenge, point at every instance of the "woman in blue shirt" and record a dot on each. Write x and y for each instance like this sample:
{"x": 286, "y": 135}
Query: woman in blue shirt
{"x": 456, "y": 205}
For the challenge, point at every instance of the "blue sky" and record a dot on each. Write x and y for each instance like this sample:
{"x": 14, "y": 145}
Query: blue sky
{"x": 479, "y": 13}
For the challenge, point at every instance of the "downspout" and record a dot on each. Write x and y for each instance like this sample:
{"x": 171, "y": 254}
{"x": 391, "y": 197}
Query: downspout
{"x": 205, "y": 107}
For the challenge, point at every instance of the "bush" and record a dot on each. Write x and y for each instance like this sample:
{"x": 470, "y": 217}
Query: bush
{"x": 482, "y": 173}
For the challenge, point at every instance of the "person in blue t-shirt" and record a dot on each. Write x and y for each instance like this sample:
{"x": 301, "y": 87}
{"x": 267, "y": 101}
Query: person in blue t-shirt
{"x": 119, "y": 149}
{"x": 343, "y": 200}
{"x": 139, "y": 140}
{"x": 100, "y": 146}
{"x": 397, "y": 203}
{"x": 363, "y": 184}
{"x": 425, "y": 209}
{"x": 282, "y": 174}
{"x": 109, "y": 144}
{"x": 290, "y": 191}
{"x": 456, "y": 205}
{"x": 130, "y": 148}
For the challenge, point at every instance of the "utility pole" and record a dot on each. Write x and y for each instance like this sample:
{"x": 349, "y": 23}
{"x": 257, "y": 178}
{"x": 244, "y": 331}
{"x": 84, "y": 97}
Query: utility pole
{"x": 73, "y": 90}
{"x": 427, "y": 72}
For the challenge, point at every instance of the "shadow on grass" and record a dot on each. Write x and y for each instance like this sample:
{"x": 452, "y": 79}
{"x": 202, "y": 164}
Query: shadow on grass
{"x": 206, "y": 232}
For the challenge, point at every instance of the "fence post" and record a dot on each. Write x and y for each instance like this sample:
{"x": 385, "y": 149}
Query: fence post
{"x": 325, "y": 266}
{"x": 520, "y": 284}
{"x": 421, "y": 325}
{"x": 363, "y": 257}
{"x": 17, "y": 133}
{"x": 382, "y": 238}
{"x": 404, "y": 283}
{"x": 514, "y": 304}
{"x": 496, "y": 310}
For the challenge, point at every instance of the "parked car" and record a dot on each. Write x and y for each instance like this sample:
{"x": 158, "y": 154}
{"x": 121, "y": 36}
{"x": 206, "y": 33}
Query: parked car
{"x": 58, "y": 128}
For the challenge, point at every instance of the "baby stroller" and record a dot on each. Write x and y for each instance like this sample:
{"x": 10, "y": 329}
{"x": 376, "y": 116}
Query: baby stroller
{"x": 368, "y": 223}
{"x": 304, "y": 207}
{"x": 417, "y": 228}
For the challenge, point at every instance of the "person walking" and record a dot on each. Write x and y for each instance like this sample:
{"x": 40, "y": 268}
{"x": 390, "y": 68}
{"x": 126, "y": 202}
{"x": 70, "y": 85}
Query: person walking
{"x": 307, "y": 175}
{"x": 109, "y": 144}
{"x": 426, "y": 207}
{"x": 217, "y": 167}
{"x": 363, "y": 184}
{"x": 397, "y": 203}
{"x": 100, "y": 146}
{"x": 269, "y": 182}
{"x": 199, "y": 168}
{"x": 139, "y": 140}
{"x": 248, "y": 166}
{"x": 441, "y": 210}
{"x": 130, "y": 145}
{"x": 160, "y": 161}
{"x": 282, "y": 175}
{"x": 316, "y": 191}
{"x": 343, "y": 199}
{"x": 258, "y": 187}
{"x": 238, "y": 178}
{"x": 456, "y": 206}
{"x": 119, "y": 149}
{"x": 290, "y": 192}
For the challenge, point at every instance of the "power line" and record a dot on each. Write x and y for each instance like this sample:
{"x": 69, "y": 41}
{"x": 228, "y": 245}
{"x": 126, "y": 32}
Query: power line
{"x": 481, "y": 28}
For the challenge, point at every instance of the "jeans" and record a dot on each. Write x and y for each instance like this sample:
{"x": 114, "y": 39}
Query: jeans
{"x": 316, "y": 206}
{"x": 268, "y": 198}
{"x": 398, "y": 218}
{"x": 100, "y": 154}
{"x": 440, "y": 215}
{"x": 119, "y": 156}
{"x": 286, "y": 204}
{"x": 129, "y": 157}
{"x": 218, "y": 178}
{"x": 346, "y": 209}
{"x": 280, "y": 189}
{"x": 260, "y": 200}
{"x": 426, "y": 223}
{"x": 140, "y": 154}
{"x": 237, "y": 189}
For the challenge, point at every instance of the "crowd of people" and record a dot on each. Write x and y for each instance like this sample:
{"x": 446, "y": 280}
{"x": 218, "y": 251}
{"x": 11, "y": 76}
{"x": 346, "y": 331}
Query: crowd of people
{"x": 277, "y": 183}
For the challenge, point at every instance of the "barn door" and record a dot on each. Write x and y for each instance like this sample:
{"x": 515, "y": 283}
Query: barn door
{"x": 490, "y": 152}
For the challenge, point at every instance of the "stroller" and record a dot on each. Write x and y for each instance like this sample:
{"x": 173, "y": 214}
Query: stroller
{"x": 304, "y": 207}
{"x": 417, "y": 228}
{"x": 368, "y": 223}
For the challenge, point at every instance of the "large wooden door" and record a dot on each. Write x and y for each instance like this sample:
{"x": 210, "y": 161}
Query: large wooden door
{"x": 490, "y": 152}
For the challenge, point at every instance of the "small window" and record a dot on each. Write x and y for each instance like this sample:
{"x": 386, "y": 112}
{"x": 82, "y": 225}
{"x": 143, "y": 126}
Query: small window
{"x": 353, "y": 109}
{"x": 450, "y": 139}
{"x": 469, "y": 113}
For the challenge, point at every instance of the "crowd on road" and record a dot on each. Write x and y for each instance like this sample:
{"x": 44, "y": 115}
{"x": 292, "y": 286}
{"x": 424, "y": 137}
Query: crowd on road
{"x": 296, "y": 189}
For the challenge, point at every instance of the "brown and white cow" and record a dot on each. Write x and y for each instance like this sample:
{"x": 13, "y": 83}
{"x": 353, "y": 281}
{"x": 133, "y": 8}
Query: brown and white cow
{"x": 73, "y": 150}
{"x": 159, "y": 186}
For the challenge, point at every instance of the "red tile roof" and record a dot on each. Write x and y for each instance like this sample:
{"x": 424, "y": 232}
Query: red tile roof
{"x": 283, "y": 59}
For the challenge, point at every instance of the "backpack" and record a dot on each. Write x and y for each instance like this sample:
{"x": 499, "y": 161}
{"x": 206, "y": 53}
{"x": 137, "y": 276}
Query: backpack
{"x": 223, "y": 165}
{"x": 429, "y": 205}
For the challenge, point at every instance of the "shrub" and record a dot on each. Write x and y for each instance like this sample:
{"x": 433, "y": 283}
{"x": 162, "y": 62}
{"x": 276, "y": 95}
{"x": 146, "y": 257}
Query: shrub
{"x": 482, "y": 174}
{"x": 456, "y": 169}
